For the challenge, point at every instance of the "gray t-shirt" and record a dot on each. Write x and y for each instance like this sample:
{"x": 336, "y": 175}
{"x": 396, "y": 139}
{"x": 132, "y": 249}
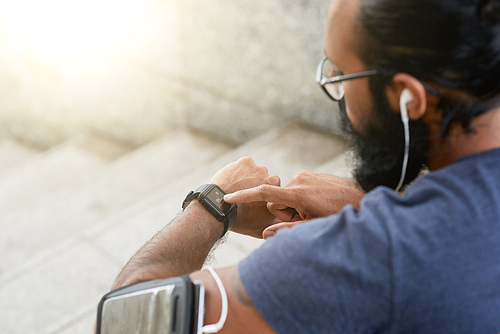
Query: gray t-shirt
{"x": 425, "y": 262}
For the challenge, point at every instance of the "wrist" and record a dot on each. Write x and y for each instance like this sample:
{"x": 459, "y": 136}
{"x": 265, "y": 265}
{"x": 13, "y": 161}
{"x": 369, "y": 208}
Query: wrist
{"x": 200, "y": 218}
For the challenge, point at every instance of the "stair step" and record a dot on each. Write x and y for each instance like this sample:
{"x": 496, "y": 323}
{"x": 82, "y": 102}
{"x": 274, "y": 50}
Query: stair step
{"x": 81, "y": 321}
{"x": 104, "y": 148}
{"x": 13, "y": 153}
{"x": 285, "y": 152}
{"x": 62, "y": 165}
{"x": 339, "y": 166}
{"x": 72, "y": 209}
{"x": 106, "y": 244}
{"x": 57, "y": 291}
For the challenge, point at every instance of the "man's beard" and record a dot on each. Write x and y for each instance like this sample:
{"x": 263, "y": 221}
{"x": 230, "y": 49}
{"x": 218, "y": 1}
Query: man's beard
{"x": 379, "y": 148}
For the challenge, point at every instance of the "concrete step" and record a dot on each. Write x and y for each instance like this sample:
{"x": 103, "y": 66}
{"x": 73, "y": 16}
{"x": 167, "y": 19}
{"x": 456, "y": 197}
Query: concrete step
{"x": 66, "y": 212}
{"x": 98, "y": 252}
{"x": 338, "y": 166}
{"x": 57, "y": 291}
{"x": 13, "y": 153}
{"x": 62, "y": 165}
{"x": 284, "y": 152}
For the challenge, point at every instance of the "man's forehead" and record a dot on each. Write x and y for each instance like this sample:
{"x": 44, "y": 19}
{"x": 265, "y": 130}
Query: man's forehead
{"x": 340, "y": 37}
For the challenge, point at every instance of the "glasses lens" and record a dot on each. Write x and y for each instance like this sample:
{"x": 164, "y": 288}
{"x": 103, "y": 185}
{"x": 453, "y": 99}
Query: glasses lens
{"x": 334, "y": 89}
{"x": 328, "y": 69}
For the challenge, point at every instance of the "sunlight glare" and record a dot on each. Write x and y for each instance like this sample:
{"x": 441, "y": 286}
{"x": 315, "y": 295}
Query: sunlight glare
{"x": 69, "y": 28}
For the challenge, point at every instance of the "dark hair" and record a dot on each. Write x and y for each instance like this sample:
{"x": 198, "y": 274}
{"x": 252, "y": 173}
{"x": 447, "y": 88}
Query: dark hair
{"x": 453, "y": 44}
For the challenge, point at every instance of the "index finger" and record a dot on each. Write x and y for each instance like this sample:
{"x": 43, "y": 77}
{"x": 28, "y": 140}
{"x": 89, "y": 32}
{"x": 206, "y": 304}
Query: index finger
{"x": 262, "y": 193}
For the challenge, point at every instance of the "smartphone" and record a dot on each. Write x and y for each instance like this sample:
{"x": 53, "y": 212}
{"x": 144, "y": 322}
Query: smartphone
{"x": 168, "y": 306}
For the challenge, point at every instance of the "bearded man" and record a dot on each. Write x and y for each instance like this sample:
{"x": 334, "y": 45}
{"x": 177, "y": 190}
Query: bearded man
{"x": 397, "y": 250}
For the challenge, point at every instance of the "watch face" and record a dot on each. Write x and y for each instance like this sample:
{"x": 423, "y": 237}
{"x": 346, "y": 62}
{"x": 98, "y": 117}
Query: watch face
{"x": 216, "y": 197}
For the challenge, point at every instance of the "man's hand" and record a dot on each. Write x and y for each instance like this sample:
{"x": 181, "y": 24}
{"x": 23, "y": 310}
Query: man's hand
{"x": 182, "y": 246}
{"x": 253, "y": 217}
{"x": 308, "y": 195}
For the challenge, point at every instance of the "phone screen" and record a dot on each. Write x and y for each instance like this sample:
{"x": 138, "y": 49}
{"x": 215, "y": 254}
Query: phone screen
{"x": 170, "y": 306}
{"x": 147, "y": 311}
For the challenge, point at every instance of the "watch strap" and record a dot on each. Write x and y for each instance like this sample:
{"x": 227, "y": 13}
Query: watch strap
{"x": 193, "y": 195}
{"x": 189, "y": 198}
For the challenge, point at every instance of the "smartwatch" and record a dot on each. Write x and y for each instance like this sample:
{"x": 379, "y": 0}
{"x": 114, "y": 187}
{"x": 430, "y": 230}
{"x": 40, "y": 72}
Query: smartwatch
{"x": 212, "y": 199}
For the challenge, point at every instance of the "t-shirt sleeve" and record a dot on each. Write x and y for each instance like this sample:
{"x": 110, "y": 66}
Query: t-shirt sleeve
{"x": 331, "y": 275}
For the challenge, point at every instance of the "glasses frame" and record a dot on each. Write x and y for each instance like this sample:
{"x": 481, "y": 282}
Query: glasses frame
{"x": 322, "y": 81}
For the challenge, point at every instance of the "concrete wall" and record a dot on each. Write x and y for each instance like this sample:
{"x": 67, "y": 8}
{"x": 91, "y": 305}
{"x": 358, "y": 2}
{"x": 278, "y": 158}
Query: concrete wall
{"x": 231, "y": 68}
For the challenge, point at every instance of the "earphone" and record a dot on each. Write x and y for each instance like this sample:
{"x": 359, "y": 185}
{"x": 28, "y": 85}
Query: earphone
{"x": 403, "y": 101}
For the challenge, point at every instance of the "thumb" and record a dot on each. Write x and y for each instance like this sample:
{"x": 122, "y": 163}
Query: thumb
{"x": 271, "y": 230}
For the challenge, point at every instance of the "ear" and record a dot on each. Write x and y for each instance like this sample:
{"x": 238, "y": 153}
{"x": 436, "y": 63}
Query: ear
{"x": 418, "y": 105}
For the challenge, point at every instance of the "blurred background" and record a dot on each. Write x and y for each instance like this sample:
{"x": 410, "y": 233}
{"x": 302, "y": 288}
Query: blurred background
{"x": 112, "y": 111}
{"x": 133, "y": 70}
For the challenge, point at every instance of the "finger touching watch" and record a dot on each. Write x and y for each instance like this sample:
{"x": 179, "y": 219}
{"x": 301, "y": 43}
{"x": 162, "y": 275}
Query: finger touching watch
{"x": 211, "y": 197}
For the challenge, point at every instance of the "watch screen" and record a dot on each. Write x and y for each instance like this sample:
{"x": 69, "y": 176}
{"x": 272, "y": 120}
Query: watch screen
{"x": 216, "y": 197}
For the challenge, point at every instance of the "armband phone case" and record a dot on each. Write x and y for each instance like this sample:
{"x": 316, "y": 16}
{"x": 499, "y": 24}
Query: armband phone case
{"x": 168, "y": 306}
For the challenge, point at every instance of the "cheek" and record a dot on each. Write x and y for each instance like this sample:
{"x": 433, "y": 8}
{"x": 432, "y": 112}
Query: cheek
{"x": 352, "y": 110}
{"x": 358, "y": 102}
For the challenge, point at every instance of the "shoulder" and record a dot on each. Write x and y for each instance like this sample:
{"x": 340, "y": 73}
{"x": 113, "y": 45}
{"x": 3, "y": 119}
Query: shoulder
{"x": 458, "y": 192}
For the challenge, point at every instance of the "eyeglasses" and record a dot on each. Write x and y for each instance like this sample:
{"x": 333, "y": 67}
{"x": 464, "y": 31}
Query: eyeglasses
{"x": 332, "y": 82}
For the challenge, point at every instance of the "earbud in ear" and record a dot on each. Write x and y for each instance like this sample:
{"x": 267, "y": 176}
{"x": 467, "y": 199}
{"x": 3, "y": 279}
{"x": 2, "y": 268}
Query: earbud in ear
{"x": 403, "y": 101}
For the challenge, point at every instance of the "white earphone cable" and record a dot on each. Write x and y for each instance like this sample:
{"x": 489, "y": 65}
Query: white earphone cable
{"x": 405, "y": 160}
{"x": 214, "y": 328}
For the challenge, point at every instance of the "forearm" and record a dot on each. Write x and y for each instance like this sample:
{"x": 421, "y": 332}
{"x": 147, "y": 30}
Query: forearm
{"x": 180, "y": 248}
{"x": 183, "y": 246}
